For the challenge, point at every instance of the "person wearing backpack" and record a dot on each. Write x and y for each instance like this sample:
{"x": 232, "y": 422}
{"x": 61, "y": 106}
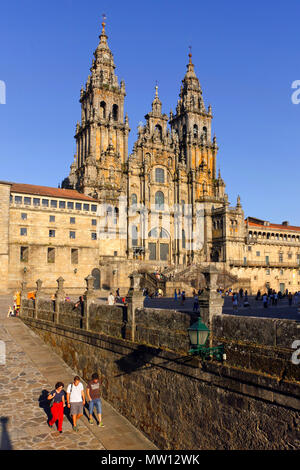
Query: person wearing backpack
{"x": 75, "y": 400}
{"x": 57, "y": 404}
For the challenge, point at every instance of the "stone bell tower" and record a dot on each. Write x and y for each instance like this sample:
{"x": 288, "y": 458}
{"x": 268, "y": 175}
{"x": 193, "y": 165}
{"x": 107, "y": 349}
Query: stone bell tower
{"x": 102, "y": 135}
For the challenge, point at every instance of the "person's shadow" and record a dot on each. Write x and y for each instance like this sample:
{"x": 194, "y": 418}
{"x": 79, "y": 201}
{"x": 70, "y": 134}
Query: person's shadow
{"x": 5, "y": 440}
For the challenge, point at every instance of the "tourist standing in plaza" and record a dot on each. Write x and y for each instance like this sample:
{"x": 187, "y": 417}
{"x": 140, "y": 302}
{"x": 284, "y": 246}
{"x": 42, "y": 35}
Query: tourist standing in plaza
{"x": 175, "y": 295}
{"x": 75, "y": 400}
{"x": 93, "y": 395}
{"x": 57, "y": 404}
{"x": 111, "y": 299}
{"x": 196, "y": 302}
{"x": 265, "y": 300}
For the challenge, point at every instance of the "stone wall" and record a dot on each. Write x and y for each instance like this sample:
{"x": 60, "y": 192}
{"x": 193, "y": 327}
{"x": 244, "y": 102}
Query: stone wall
{"x": 177, "y": 400}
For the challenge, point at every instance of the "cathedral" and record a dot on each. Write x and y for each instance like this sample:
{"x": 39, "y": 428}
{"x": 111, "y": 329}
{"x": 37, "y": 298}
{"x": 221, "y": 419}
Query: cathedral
{"x": 161, "y": 210}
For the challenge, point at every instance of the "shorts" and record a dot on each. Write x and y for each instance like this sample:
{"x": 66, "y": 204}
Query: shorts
{"x": 97, "y": 403}
{"x": 76, "y": 408}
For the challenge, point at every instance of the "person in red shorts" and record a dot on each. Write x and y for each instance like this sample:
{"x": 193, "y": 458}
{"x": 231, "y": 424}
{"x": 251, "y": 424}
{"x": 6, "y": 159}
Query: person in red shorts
{"x": 57, "y": 406}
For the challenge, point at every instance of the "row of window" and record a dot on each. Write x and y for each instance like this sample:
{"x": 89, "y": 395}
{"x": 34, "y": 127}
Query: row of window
{"x": 53, "y": 203}
{"x": 274, "y": 236}
{"x": 52, "y": 233}
{"x": 51, "y": 252}
{"x": 52, "y": 219}
{"x": 280, "y": 255}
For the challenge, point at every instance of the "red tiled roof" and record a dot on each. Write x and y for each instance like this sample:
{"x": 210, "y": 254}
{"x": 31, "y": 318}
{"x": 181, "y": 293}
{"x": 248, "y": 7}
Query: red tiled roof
{"x": 274, "y": 226}
{"x": 50, "y": 192}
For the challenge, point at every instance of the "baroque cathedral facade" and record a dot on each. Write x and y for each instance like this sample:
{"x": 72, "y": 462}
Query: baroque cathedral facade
{"x": 162, "y": 198}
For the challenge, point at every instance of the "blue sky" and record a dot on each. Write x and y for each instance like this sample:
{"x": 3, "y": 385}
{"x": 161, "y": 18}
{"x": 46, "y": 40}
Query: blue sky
{"x": 246, "y": 57}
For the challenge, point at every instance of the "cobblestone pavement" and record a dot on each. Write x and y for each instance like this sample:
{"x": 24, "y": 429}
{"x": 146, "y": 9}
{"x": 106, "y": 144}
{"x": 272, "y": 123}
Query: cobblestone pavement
{"x": 30, "y": 371}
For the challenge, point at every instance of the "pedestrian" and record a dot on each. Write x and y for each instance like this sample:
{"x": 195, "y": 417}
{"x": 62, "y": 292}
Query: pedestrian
{"x": 111, "y": 299}
{"x": 275, "y": 298}
{"x": 79, "y": 303}
{"x": 57, "y": 404}
{"x": 93, "y": 395}
{"x": 196, "y": 302}
{"x": 175, "y": 295}
{"x": 75, "y": 400}
{"x": 246, "y": 301}
{"x": 182, "y": 297}
{"x": 265, "y": 300}
{"x": 290, "y": 298}
{"x": 235, "y": 302}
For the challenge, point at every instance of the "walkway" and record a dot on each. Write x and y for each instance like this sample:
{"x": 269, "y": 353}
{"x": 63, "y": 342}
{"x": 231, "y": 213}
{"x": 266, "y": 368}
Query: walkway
{"x": 30, "y": 371}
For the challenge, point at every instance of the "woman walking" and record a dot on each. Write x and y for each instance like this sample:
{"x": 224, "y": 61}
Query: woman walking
{"x": 57, "y": 404}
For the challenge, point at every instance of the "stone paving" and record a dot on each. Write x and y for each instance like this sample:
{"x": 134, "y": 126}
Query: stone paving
{"x": 30, "y": 371}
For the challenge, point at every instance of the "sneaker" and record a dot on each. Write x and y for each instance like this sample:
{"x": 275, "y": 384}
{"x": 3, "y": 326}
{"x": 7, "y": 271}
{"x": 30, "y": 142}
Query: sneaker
{"x": 91, "y": 421}
{"x": 75, "y": 428}
{"x": 100, "y": 425}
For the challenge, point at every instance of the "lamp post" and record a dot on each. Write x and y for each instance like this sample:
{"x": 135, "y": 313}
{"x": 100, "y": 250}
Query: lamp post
{"x": 199, "y": 334}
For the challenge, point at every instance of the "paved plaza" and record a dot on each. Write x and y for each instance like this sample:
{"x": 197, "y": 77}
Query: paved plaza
{"x": 30, "y": 371}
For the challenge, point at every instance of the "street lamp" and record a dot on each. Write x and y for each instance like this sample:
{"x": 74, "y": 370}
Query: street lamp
{"x": 199, "y": 334}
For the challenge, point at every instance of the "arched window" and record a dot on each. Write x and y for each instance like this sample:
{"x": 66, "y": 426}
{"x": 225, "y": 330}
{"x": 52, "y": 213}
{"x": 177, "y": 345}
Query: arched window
{"x": 153, "y": 233}
{"x": 184, "y": 130}
{"x": 115, "y": 112}
{"x": 183, "y": 239}
{"x": 204, "y": 132}
{"x": 103, "y": 109}
{"x": 134, "y": 235}
{"x": 163, "y": 233}
{"x": 159, "y": 201}
{"x": 195, "y": 131}
{"x": 159, "y": 175}
{"x": 133, "y": 199}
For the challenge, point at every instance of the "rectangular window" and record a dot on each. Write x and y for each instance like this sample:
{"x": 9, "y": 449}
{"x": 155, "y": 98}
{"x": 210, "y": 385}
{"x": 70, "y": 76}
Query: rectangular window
{"x": 94, "y": 222}
{"x": 70, "y": 205}
{"x": 94, "y": 235}
{"x": 115, "y": 253}
{"x": 72, "y": 220}
{"x": 51, "y": 218}
{"x": 267, "y": 260}
{"x": 86, "y": 207}
{"x": 18, "y": 199}
{"x": 62, "y": 204}
{"x": 258, "y": 253}
{"x": 24, "y": 251}
{"x": 290, "y": 255}
{"x": 23, "y": 231}
{"x": 51, "y": 255}
{"x": 164, "y": 251}
{"x": 23, "y": 216}
{"x": 53, "y": 203}
{"x": 27, "y": 201}
{"x": 78, "y": 206}
{"x": 45, "y": 202}
{"x": 152, "y": 251}
{"x": 36, "y": 201}
{"x": 93, "y": 208}
{"x": 74, "y": 255}
{"x": 72, "y": 235}
{"x": 281, "y": 272}
{"x": 52, "y": 233}
{"x": 249, "y": 248}
{"x": 280, "y": 257}
{"x": 268, "y": 272}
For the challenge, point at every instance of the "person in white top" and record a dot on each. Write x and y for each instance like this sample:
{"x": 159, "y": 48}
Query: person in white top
{"x": 75, "y": 400}
{"x": 111, "y": 299}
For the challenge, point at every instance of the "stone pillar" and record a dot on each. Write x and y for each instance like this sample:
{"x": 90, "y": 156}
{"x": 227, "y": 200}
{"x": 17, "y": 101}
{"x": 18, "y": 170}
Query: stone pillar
{"x": 59, "y": 297}
{"x": 135, "y": 299}
{"x": 210, "y": 301}
{"x": 37, "y": 297}
{"x": 88, "y": 297}
{"x": 23, "y": 296}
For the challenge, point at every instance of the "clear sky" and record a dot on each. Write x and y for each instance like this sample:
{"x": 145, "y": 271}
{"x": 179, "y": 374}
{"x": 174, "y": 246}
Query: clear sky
{"x": 246, "y": 56}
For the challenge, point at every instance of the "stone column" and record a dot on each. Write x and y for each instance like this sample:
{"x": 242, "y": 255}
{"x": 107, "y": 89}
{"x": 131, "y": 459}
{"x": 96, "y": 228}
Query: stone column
{"x": 59, "y": 297}
{"x": 37, "y": 297}
{"x": 135, "y": 299}
{"x": 23, "y": 296}
{"x": 88, "y": 297}
{"x": 210, "y": 301}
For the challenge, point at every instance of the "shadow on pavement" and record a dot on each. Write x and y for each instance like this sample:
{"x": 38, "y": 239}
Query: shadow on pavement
{"x": 5, "y": 440}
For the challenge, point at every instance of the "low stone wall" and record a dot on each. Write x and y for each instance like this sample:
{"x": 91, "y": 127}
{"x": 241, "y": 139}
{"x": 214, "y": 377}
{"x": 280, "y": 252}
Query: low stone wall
{"x": 263, "y": 345}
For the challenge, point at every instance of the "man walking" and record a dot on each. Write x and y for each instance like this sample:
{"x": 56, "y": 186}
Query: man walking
{"x": 93, "y": 395}
{"x": 75, "y": 400}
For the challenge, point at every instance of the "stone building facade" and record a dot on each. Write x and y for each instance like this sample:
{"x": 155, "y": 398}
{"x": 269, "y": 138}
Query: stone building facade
{"x": 161, "y": 208}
